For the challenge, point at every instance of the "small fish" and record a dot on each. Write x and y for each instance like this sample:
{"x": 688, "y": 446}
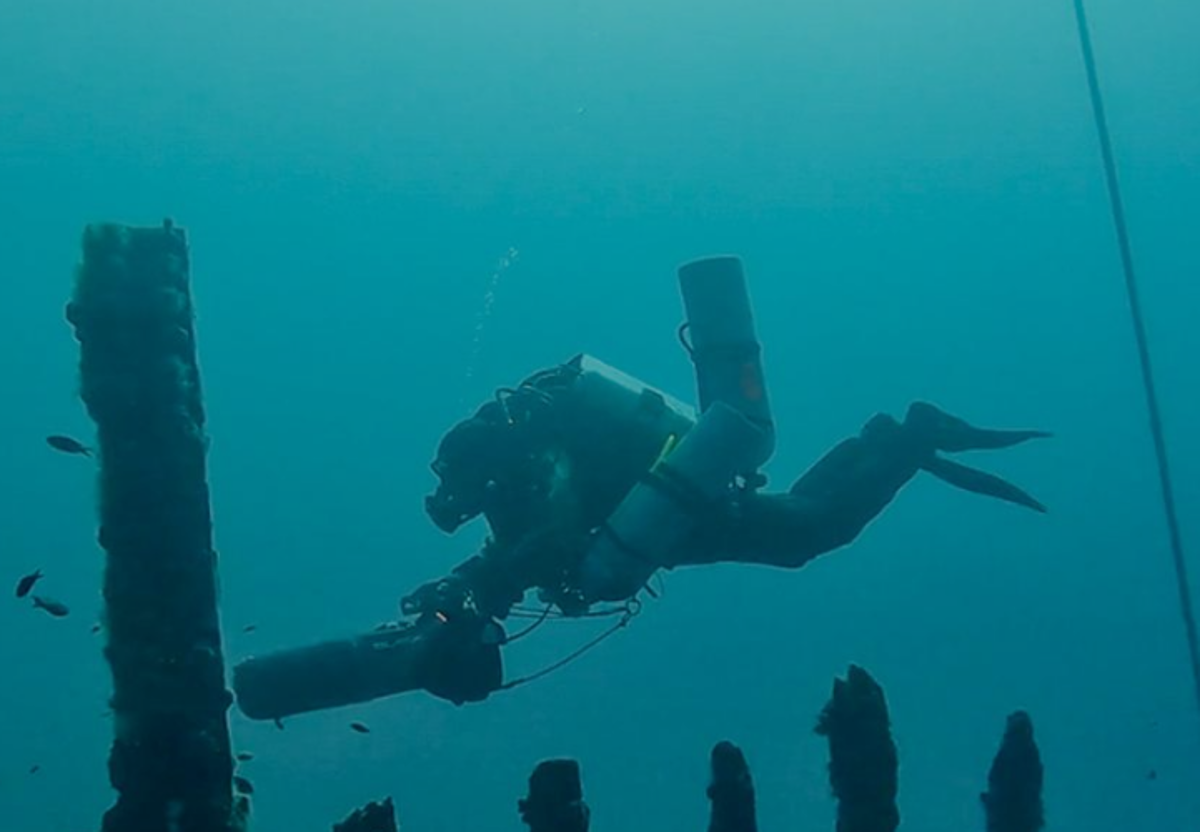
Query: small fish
{"x": 244, "y": 757}
{"x": 249, "y": 628}
{"x": 34, "y": 769}
{"x": 26, "y": 583}
{"x": 68, "y": 445}
{"x": 279, "y": 723}
{"x": 359, "y": 727}
{"x": 97, "y": 627}
{"x": 55, "y": 608}
{"x": 1152, "y": 775}
{"x": 243, "y": 785}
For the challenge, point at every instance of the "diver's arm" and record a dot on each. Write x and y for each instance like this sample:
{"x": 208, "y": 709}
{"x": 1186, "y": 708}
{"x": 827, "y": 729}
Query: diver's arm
{"x": 482, "y": 579}
{"x": 499, "y": 576}
{"x": 850, "y": 486}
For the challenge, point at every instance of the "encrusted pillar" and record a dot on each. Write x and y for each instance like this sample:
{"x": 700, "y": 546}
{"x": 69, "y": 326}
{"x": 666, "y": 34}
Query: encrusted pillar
{"x": 1013, "y": 800}
{"x": 863, "y": 764}
{"x": 170, "y": 763}
{"x": 555, "y": 801}
{"x": 731, "y": 791}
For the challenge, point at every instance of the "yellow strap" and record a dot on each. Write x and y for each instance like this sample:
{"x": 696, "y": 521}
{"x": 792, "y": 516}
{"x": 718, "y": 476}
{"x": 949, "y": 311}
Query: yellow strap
{"x": 668, "y": 446}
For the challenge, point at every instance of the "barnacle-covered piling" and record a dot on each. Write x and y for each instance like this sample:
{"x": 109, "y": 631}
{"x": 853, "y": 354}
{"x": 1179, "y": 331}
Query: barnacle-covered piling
{"x": 1013, "y": 801}
{"x": 555, "y": 799}
{"x": 863, "y": 765}
{"x": 731, "y": 791}
{"x": 170, "y": 762}
{"x": 374, "y": 817}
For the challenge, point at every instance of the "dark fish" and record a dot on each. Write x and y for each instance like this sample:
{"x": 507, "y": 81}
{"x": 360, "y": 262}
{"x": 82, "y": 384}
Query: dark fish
{"x": 26, "y": 583}
{"x": 279, "y": 723}
{"x": 1152, "y": 775}
{"x": 34, "y": 769}
{"x": 359, "y": 727}
{"x": 97, "y": 627}
{"x": 244, "y": 757}
{"x": 56, "y": 608}
{"x": 243, "y": 785}
{"x": 68, "y": 445}
{"x": 249, "y": 628}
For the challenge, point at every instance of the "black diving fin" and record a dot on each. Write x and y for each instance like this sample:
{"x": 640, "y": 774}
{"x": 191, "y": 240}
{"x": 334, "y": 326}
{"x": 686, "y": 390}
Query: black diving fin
{"x": 952, "y": 434}
{"x": 981, "y": 482}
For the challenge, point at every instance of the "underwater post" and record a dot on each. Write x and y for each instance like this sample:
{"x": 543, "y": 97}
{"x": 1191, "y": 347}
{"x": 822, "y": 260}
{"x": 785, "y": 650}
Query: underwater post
{"x": 1013, "y": 800}
{"x": 731, "y": 791}
{"x": 863, "y": 764}
{"x": 132, "y": 314}
{"x": 374, "y": 817}
{"x": 555, "y": 801}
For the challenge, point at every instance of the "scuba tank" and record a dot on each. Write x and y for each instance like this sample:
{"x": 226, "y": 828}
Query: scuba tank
{"x": 606, "y": 430}
{"x": 662, "y": 510}
{"x": 724, "y": 346}
{"x": 604, "y": 397}
{"x": 733, "y": 438}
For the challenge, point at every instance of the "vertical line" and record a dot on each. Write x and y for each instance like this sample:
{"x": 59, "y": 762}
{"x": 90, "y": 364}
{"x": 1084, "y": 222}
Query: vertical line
{"x": 1143, "y": 348}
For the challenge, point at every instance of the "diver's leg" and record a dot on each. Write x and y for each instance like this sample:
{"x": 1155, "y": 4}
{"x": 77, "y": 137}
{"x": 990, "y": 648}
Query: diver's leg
{"x": 826, "y": 508}
{"x": 830, "y": 505}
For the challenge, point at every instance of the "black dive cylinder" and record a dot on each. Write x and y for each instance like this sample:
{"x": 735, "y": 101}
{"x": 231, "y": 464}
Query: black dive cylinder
{"x": 330, "y": 674}
{"x": 452, "y": 654}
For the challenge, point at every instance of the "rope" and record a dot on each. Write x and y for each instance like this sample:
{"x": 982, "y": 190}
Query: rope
{"x": 630, "y": 612}
{"x": 541, "y": 619}
{"x": 1143, "y": 348}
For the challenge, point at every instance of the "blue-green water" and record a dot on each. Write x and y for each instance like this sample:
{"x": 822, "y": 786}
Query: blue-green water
{"x": 917, "y": 194}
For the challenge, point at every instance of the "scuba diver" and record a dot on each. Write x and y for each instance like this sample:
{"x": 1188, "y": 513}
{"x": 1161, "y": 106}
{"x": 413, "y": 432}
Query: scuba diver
{"x": 545, "y": 484}
{"x": 590, "y": 482}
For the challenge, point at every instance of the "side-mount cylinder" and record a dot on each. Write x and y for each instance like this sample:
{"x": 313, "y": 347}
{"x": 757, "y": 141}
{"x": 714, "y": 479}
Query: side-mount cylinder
{"x": 656, "y": 517}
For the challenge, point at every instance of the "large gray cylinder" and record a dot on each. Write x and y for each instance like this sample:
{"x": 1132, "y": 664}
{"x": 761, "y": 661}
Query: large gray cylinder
{"x": 656, "y": 517}
{"x": 724, "y": 345}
